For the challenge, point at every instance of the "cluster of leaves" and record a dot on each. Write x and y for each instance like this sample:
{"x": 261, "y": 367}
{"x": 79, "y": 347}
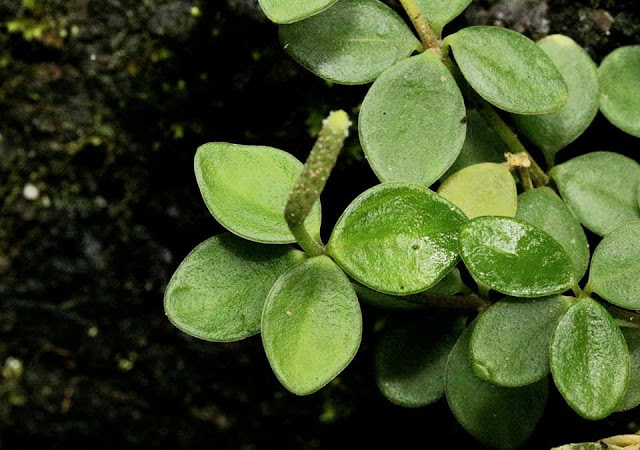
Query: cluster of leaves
{"x": 429, "y": 119}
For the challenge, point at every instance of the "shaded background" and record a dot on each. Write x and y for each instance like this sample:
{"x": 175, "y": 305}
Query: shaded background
{"x": 102, "y": 106}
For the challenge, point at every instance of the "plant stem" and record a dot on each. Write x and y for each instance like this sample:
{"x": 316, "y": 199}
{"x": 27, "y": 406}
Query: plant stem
{"x": 471, "y": 302}
{"x": 426, "y": 33}
{"x": 632, "y": 318}
{"x": 522, "y": 163}
{"x": 313, "y": 177}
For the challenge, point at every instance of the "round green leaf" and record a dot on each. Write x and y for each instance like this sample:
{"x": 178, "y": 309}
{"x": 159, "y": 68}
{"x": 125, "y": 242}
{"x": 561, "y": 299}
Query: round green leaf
{"x": 631, "y": 397}
{"x": 510, "y": 343}
{"x": 619, "y": 76}
{"x": 554, "y": 131}
{"x": 543, "y": 208}
{"x": 351, "y": 43}
{"x": 440, "y": 12}
{"x": 615, "y": 269}
{"x": 246, "y": 188}
{"x": 397, "y": 238}
{"x": 508, "y": 70}
{"x": 219, "y": 290}
{"x": 601, "y": 189}
{"x": 289, "y": 11}
{"x": 311, "y": 325}
{"x": 514, "y": 257}
{"x": 410, "y": 360}
{"x": 589, "y": 360}
{"x": 486, "y": 189}
{"x": 412, "y": 121}
{"x": 500, "y": 417}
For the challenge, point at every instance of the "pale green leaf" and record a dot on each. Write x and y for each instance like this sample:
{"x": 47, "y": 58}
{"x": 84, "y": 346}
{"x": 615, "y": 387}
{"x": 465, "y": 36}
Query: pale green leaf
{"x": 631, "y": 397}
{"x": 289, "y": 11}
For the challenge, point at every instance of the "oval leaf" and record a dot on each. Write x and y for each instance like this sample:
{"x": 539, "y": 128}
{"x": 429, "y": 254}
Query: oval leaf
{"x": 246, "y": 188}
{"x": 500, "y": 417}
{"x": 589, "y": 360}
{"x": 219, "y": 290}
{"x": 351, "y": 43}
{"x": 485, "y": 189}
{"x": 631, "y": 397}
{"x": 508, "y": 70}
{"x": 615, "y": 269}
{"x": 311, "y": 325}
{"x": 412, "y": 121}
{"x": 515, "y": 257}
{"x": 543, "y": 208}
{"x": 410, "y": 360}
{"x": 619, "y": 76}
{"x": 440, "y": 12}
{"x": 510, "y": 343}
{"x": 289, "y": 11}
{"x": 601, "y": 189}
{"x": 554, "y": 131}
{"x": 397, "y": 238}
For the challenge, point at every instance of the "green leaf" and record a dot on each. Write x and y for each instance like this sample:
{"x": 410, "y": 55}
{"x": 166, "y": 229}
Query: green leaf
{"x": 601, "y": 189}
{"x": 543, "y": 208}
{"x": 514, "y": 257}
{"x": 554, "y": 131}
{"x": 589, "y": 360}
{"x": 486, "y": 189}
{"x": 631, "y": 397}
{"x": 397, "y": 238}
{"x": 219, "y": 290}
{"x": 246, "y": 188}
{"x": 412, "y": 121}
{"x": 508, "y": 70}
{"x": 351, "y": 43}
{"x": 500, "y": 417}
{"x": 311, "y": 325}
{"x": 619, "y": 76}
{"x": 440, "y": 12}
{"x": 510, "y": 343}
{"x": 289, "y": 11}
{"x": 615, "y": 269}
{"x": 410, "y": 360}
{"x": 588, "y": 446}
{"x": 481, "y": 144}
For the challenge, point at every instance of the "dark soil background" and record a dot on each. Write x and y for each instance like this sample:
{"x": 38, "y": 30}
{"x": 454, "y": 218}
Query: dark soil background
{"x": 102, "y": 106}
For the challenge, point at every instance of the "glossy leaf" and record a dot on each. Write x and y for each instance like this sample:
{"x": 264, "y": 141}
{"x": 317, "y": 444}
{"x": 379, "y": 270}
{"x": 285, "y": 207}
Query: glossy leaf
{"x": 631, "y": 397}
{"x": 440, "y": 12}
{"x": 589, "y": 360}
{"x": 351, "y": 43}
{"x": 412, "y": 122}
{"x": 410, "y": 360}
{"x": 543, "y": 208}
{"x": 311, "y": 325}
{"x": 510, "y": 343}
{"x": 615, "y": 269}
{"x": 289, "y": 11}
{"x": 600, "y": 189}
{"x": 486, "y": 189}
{"x": 246, "y": 188}
{"x": 587, "y": 446}
{"x": 508, "y": 70}
{"x": 554, "y": 131}
{"x": 500, "y": 417}
{"x": 514, "y": 257}
{"x": 397, "y": 238}
{"x": 619, "y": 76}
{"x": 219, "y": 290}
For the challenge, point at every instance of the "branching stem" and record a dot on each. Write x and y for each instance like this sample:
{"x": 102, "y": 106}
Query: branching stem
{"x": 424, "y": 30}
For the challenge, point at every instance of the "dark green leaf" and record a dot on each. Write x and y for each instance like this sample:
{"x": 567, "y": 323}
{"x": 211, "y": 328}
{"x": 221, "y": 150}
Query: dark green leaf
{"x": 351, "y": 43}
{"x": 601, "y": 189}
{"x": 508, "y": 70}
{"x": 440, "y": 12}
{"x": 219, "y": 290}
{"x": 289, "y": 11}
{"x": 412, "y": 121}
{"x": 631, "y": 397}
{"x": 589, "y": 360}
{"x": 515, "y": 257}
{"x": 510, "y": 344}
{"x": 311, "y": 325}
{"x": 500, "y": 417}
{"x": 397, "y": 238}
{"x": 246, "y": 188}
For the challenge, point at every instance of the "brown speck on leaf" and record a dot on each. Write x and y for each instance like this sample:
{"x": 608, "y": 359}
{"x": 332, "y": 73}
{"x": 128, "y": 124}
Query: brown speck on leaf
{"x": 463, "y": 120}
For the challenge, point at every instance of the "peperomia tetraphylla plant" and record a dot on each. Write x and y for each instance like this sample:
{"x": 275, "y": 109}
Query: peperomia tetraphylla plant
{"x": 427, "y": 119}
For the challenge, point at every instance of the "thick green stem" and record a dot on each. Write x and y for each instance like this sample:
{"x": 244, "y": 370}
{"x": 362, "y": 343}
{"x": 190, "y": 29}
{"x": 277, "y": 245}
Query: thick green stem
{"x": 426, "y": 33}
{"x": 311, "y": 181}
